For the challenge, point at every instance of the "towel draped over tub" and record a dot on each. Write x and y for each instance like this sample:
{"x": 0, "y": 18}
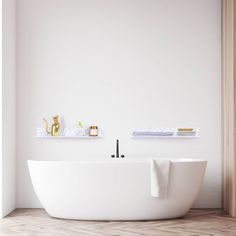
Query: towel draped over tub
{"x": 159, "y": 177}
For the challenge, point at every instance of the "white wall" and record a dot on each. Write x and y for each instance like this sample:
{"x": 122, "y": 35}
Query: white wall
{"x": 8, "y": 184}
{"x": 119, "y": 64}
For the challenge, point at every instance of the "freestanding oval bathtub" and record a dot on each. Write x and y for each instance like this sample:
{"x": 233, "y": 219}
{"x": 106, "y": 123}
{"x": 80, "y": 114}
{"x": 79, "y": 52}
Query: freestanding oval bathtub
{"x": 114, "y": 189}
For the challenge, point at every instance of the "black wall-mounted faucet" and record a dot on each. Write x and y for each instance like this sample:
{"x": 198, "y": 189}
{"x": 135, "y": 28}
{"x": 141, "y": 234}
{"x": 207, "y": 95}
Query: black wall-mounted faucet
{"x": 117, "y": 151}
{"x": 117, "y": 148}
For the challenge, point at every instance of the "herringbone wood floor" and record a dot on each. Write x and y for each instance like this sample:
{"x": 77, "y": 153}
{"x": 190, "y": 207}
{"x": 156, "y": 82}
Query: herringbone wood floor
{"x": 35, "y": 222}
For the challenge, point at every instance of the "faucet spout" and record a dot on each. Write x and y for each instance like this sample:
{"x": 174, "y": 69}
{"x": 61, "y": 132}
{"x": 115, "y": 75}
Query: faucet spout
{"x": 117, "y": 148}
{"x": 117, "y": 151}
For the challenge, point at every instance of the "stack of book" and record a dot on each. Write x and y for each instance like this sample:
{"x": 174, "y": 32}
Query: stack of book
{"x": 186, "y": 132}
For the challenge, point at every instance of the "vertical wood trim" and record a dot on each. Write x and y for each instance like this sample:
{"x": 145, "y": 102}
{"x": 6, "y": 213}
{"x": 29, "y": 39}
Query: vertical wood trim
{"x": 229, "y": 106}
{"x": 233, "y": 210}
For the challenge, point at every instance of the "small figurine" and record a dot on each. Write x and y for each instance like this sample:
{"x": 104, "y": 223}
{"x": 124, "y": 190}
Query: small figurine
{"x": 54, "y": 131}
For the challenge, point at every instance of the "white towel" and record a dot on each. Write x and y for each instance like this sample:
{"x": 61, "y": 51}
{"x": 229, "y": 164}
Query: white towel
{"x": 159, "y": 173}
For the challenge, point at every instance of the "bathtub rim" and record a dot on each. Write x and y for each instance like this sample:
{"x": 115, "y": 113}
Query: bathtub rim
{"x": 122, "y": 160}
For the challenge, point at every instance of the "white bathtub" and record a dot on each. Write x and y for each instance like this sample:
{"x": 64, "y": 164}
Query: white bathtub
{"x": 113, "y": 189}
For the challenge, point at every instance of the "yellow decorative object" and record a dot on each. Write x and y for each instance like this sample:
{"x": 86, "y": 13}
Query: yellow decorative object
{"x": 54, "y": 130}
{"x": 185, "y": 129}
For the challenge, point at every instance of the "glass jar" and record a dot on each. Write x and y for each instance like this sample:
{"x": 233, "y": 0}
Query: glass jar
{"x": 93, "y": 131}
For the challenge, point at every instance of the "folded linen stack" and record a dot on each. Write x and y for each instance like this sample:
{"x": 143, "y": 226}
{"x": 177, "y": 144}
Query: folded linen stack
{"x": 152, "y": 132}
{"x": 186, "y": 132}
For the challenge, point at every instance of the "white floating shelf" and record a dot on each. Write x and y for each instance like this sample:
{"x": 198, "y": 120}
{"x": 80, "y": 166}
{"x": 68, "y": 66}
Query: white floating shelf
{"x": 174, "y": 134}
{"x": 165, "y": 137}
{"x": 70, "y": 137}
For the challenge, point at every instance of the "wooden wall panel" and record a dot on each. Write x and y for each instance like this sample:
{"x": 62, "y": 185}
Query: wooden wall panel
{"x": 229, "y": 106}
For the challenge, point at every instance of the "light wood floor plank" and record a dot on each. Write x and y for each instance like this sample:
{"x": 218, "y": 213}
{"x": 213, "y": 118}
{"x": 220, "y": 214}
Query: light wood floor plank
{"x": 35, "y": 222}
